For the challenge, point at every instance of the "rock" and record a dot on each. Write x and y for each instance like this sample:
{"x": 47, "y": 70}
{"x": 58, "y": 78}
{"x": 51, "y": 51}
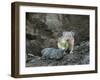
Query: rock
{"x": 35, "y": 47}
{"x": 85, "y": 59}
{"x": 56, "y": 57}
{"x": 31, "y": 58}
{"x": 36, "y": 62}
{"x": 52, "y": 53}
{"x": 84, "y": 44}
{"x": 49, "y": 43}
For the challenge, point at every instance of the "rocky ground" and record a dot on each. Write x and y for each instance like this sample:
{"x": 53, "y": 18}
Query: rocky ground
{"x": 80, "y": 56}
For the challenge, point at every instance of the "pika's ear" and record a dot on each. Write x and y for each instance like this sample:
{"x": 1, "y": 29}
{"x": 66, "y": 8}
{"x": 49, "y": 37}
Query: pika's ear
{"x": 73, "y": 33}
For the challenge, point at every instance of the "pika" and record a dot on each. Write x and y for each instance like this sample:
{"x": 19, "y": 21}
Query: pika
{"x": 66, "y": 41}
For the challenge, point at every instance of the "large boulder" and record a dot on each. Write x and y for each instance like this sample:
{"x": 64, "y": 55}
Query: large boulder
{"x": 52, "y": 53}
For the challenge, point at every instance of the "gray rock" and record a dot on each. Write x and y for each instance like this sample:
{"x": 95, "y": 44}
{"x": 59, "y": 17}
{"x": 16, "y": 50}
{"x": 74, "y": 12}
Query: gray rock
{"x": 32, "y": 58}
{"x": 85, "y": 59}
{"x": 84, "y": 44}
{"x": 52, "y": 53}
